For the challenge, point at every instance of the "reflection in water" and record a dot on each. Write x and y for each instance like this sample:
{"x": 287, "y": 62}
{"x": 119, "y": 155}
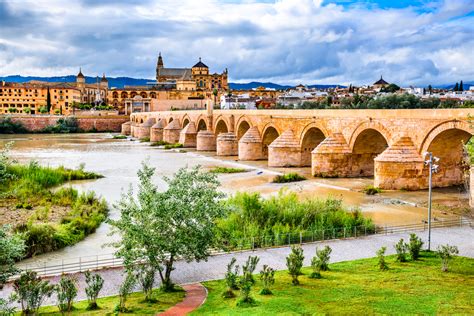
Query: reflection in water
{"x": 119, "y": 161}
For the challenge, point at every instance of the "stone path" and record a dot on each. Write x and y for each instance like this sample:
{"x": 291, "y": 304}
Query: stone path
{"x": 196, "y": 294}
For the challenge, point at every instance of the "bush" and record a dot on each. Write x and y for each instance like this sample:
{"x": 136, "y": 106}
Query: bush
{"x": 381, "y": 259}
{"x": 94, "y": 283}
{"x": 124, "y": 291}
{"x": 66, "y": 290}
{"x": 31, "y": 292}
{"x": 6, "y": 308}
{"x": 43, "y": 110}
{"x": 371, "y": 190}
{"x": 146, "y": 278}
{"x": 231, "y": 277}
{"x": 227, "y": 170}
{"x": 294, "y": 263}
{"x": 7, "y": 126}
{"x": 321, "y": 261}
{"x": 63, "y": 125}
{"x": 414, "y": 247}
{"x": 119, "y": 137}
{"x": 446, "y": 252}
{"x": 289, "y": 177}
{"x": 267, "y": 275}
{"x": 401, "y": 248}
{"x": 171, "y": 146}
{"x": 159, "y": 143}
{"x": 246, "y": 281}
{"x": 145, "y": 140}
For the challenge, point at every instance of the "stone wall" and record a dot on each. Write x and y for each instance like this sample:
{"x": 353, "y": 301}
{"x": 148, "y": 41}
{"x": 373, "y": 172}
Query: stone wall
{"x": 99, "y": 124}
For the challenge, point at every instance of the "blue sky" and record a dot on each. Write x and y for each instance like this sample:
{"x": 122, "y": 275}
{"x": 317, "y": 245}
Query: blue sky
{"x": 286, "y": 41}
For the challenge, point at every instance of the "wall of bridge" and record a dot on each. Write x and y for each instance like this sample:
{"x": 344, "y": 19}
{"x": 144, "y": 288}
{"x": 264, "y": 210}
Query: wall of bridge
{"x": 386, "y": 144}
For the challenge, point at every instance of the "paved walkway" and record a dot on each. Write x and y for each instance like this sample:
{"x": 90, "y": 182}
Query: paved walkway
{"x": 342, "y": 250}
{"x": 196, "y": 294}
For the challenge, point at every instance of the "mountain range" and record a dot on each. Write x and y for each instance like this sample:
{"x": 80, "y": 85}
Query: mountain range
{"x": 120, "y": 82}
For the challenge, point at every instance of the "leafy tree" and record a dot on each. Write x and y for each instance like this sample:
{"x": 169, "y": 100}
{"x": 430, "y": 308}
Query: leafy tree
{"x": 246, "y": 281}
{"x": 124, "y": 291}
{"x": 320, "y": 262}
{"x": 267, "y": 275}
{"x": 414, "y": 247}
{"x": 381, "y": 259}
{"x": 66, "y": 290}
{"x": 401, "y": 248}
{"x": 231, "y": 277}
{"x": 146, "y": 278}
{"x": 446, "y": 252}
{"x": 391, "y": 88}
{"x": 31, "y": 291}
{"x": 94, "y": 284}
{"x": 158, "y": 227}
{"x": 12, "y": 248}
{"x": 294, "y": 263}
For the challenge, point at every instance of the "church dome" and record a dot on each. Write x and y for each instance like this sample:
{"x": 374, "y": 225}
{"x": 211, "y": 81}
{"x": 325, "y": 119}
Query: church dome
{"x": 200, "y": 64}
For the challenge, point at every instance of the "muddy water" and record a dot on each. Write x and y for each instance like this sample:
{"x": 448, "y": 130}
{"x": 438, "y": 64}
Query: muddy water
{"x": 119, "y": 160}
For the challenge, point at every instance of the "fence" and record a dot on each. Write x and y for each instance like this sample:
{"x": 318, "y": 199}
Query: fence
{"x": 97, "y": 262}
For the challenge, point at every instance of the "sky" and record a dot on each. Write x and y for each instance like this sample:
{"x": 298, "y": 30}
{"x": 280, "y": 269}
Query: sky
{"x": 285, "y": 41}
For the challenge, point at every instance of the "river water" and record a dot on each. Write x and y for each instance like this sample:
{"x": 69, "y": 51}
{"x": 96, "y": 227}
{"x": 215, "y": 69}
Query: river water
{"x": 119, "y": 161}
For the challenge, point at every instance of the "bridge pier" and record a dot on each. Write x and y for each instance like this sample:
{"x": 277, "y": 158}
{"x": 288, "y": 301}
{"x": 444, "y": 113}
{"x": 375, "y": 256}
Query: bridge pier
{"x": 332, "y": 158}
{"x": 250, "y": 145}
{"x": 400, "y": 167}
{"x": 156, "y": 131}
{"x": 144, "y": 129}
{"x": 227, "y": 145}
{"x": 171, "y": 132}
{"x": 133, "y": 128}
{"x": 188, "y": 135}
{"x": 206, "y": 141}
{"x": 285, "y": 151}
{"x": 126, "y": 128}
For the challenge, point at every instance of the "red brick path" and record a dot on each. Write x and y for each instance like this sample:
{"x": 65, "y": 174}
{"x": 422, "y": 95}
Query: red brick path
{"x": 195, "y": 295}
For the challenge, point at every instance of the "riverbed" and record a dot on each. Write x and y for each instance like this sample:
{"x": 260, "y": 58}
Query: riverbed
{"x": 119, "y": 161}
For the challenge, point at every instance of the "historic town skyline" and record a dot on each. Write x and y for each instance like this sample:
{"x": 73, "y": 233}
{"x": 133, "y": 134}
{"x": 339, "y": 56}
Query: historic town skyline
{"x": 285, "y": 42}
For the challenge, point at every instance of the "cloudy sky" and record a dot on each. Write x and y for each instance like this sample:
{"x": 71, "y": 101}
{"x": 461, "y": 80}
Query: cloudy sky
{"x": 287, "y": 41}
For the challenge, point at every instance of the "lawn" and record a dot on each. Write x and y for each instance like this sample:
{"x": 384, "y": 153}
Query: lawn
{"x": 134, "y": 303}
{"x": 358, "y": 287}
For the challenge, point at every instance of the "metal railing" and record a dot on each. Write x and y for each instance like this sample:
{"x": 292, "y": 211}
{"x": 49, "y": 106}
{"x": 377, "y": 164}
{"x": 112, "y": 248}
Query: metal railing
{"x": 97, "y": 262}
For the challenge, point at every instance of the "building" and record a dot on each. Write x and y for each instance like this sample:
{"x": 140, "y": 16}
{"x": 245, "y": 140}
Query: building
{"x": 92, "y": 93}
{"x": 379, "y": 84}
{"x": 176, "y": 87}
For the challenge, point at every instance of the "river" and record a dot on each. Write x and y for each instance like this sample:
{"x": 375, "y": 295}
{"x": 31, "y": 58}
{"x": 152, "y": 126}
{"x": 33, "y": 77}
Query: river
{"x": 119, "y": 161}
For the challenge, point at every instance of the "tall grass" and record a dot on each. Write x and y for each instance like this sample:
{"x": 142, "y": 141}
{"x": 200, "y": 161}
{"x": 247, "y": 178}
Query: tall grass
{"x": 252, "y": 216}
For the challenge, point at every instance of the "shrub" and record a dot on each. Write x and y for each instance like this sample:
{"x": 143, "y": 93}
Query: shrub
{"x": 321, "y": 261}
{"x": 5, "y": 307}
{"x": 66, "y": 290}
{"x": 446, "y": 252}
{"x": 7, "y": 126}
{"x": 43, "y": 110}
{"x": 11, "y": 249}
{"x": 227, "y": 170}
{"x": 94, "y": 283}
{"x": 267, "y": 275}
{"x": 401, "y": 248}
{"x": 171, "y": 146}
{"x": 31, "y": 292}
{"x": 145, "y": 140}
{"x": 246, "y": 282}
{"x": 414, "y": 247}
{"x": 231, "y": 277}
{"x": 159, "y": 143}
{"x": 371, "y": 190}
{"x": 146, "y": 278}
{"x": 294, "y": 263}
{"x": 124, "y": 291}
{"x": 381, "y": 259}
{"x": 119, "y": 137}
{"x": 288, "y": 177}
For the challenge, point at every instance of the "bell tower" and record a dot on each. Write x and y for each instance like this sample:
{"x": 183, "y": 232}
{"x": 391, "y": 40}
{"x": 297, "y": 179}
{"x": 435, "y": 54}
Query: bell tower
{"x": 159, "y": 66}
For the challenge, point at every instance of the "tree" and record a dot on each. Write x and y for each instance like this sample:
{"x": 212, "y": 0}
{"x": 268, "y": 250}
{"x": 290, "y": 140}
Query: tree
{"x": 12, "y": 248}
{"x": 146, "y": 278}
{"x": 461, "y": 86}
{"x": 124, "y": 291}
{"x": 430, "y": 89}
{"x": 157, "y": 227}
{"x": 294, "y": 263}
{"x": 246, "y": 281}
{"x": 31, "y": 291}
{"x": 381, "y": 259}
{"x": 66, "y": 290}
{"x": 401, "y": 248}
{"x": 94, "y": 284}
{"x": 320, "y": 262}
{"x": 48, "y": 101}
{"x": 456, "y": 87}
{"x": 414, "y": 247}
{"x": 267, "y": 275}
{"x": 446, "y": 252}
{"x": 231, "y": 277}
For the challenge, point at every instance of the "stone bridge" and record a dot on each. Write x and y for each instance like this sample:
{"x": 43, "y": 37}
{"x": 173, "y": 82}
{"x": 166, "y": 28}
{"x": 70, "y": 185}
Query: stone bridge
{"x": 385, "y": 144}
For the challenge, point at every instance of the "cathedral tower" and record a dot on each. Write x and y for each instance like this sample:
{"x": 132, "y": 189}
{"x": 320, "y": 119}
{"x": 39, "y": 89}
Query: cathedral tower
{"x": 159, "y": 66}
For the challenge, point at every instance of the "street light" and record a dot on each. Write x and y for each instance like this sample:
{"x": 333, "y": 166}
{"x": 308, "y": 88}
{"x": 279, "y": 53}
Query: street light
{"x": 433, "y": 168}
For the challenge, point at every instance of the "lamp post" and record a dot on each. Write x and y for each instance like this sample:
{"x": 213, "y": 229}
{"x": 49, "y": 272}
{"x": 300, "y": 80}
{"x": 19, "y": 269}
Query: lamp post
{"x": 433, "y": 168}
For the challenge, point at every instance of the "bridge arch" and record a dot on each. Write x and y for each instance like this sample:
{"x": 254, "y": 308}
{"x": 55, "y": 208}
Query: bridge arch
{"x": 270, "y": 133}
{"x": 243, "y": 126}
{"x": 311, "y": 136}
{"x": 170, "y": 120}
{"x": 221, "y": 126}
{"x": 201, "y": 124}
{"x": 370, "y": 125}
{"x": 186, "y": 120}
{"x": 368, "y": 144}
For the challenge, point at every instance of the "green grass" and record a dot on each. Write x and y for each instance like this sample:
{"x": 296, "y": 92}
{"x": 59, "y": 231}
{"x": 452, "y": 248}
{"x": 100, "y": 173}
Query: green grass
{"x": 227, "y": 170}
{"x": 359, "y": 288}
{"x": 172, "y": 146}
{"x": 288, "y": 177}
{"x": 120, "y": 137}
{"x": 371, "y": 190}
{"x": 135, "y": 304}
{"x": 144, "y": 140}
{"x": 159, "y": 143}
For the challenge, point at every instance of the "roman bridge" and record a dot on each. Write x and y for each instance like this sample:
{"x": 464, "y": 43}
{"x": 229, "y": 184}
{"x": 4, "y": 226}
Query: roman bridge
{"x": 385, "y": 144}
